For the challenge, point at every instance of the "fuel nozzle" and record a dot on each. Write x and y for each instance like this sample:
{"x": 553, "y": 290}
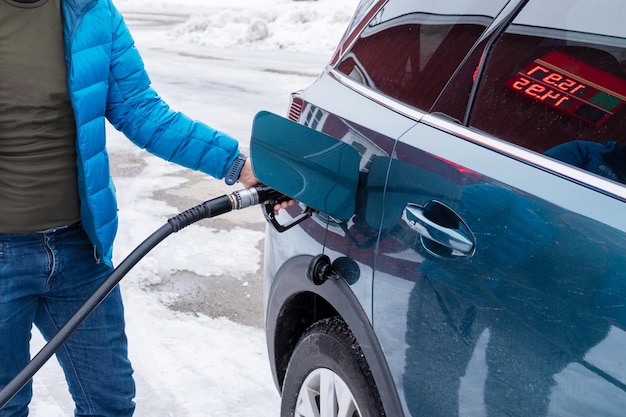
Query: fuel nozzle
{"x": 259, "y": 194}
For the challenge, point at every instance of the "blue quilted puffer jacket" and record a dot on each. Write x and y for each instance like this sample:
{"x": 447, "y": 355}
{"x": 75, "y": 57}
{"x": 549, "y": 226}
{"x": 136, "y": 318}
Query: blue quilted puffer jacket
{"x": 106, "y": 78}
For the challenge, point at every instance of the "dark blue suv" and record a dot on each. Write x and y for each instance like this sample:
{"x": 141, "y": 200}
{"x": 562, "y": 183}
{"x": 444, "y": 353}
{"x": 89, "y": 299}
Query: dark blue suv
{"x": 483, "y": 271}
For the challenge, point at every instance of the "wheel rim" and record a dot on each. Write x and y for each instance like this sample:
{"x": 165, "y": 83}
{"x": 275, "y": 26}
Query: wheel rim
{"x": 324, "y": 394}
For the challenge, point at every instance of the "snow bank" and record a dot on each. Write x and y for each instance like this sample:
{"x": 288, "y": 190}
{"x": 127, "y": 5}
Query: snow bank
{"x": 307, "y": 26}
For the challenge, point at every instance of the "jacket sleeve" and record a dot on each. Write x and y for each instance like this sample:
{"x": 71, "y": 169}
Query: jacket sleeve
{"x": 135, "y": 109}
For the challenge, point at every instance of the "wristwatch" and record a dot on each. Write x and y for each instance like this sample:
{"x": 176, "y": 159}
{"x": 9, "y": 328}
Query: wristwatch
{"x": 233, "y": 172}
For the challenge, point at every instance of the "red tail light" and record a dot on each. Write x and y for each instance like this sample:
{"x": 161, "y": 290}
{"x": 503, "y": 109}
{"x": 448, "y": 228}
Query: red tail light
{"x": 295, "y": 108}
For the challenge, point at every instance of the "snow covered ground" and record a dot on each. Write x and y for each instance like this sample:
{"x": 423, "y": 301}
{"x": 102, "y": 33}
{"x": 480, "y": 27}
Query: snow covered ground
{"x": 220, "y": 64}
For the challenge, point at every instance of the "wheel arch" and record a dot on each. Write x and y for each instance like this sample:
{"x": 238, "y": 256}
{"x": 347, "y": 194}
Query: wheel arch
{"x": 294, "y": 303}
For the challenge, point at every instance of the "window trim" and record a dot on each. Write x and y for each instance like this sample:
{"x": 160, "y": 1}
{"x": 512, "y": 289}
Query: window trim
{"x": 499, "y": 25}
{"x": 437, "y": 121}
{"x": 376, "y": 96}
{"x": 542, "y": 162}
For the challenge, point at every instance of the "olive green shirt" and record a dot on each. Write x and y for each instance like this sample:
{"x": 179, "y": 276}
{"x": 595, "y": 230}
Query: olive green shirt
{"x": 38, "y": 178}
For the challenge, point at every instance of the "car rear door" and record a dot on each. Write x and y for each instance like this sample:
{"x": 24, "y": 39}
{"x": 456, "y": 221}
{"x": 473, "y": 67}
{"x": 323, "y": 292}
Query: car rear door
{"x": 500, "y": 285}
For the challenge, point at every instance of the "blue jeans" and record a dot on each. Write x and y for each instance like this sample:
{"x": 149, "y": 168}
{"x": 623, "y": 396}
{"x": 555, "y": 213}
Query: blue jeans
{"x": 44, "y": 278}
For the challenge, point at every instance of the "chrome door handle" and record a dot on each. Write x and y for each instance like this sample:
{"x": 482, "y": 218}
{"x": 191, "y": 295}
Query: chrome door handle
{"x": 442, "y": 232}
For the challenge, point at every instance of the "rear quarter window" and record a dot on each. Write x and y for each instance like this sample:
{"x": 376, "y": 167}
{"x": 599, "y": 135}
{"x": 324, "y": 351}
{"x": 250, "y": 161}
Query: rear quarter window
{"x": 410, "y": 49}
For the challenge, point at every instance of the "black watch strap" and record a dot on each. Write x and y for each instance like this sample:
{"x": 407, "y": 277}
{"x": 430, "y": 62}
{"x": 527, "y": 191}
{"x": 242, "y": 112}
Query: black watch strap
{"x": 235, "y": 169}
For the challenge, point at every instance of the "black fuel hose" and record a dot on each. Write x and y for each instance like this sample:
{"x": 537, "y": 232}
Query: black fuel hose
{"x": 211, "y": 208}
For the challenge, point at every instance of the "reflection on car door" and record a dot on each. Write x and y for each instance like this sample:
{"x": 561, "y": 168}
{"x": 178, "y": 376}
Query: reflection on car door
{"x": 530, "y": 320}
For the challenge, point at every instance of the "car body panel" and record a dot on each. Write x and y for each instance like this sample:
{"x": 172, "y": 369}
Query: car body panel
{"x": 492, "y": 277}
{"x": 502, "y": 329}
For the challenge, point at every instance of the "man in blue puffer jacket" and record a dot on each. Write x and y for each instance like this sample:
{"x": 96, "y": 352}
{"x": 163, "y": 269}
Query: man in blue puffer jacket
{"x": 65, "y": 65}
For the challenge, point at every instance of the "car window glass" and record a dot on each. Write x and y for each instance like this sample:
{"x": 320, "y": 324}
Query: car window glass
{"x": 361, "y": 9}
{"x": 410, "y": 48}
{"x": 555, "y": 83}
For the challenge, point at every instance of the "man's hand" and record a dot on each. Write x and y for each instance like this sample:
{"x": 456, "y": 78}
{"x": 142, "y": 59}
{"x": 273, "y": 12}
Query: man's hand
{"x": 246, "y": 177}
{"x": 282, "y": 205}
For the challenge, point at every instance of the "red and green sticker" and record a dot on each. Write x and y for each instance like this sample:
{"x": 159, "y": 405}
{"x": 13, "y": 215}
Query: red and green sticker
{"x": 571, "y": 86}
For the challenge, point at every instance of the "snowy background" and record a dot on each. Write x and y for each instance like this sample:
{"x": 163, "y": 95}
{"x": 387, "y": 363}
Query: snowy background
{"x": 194, "y": 305}
{"x": 307, "y": 26}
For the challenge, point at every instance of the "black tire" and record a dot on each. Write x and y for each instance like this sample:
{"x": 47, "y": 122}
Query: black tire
{"x": 327, "y": 356}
